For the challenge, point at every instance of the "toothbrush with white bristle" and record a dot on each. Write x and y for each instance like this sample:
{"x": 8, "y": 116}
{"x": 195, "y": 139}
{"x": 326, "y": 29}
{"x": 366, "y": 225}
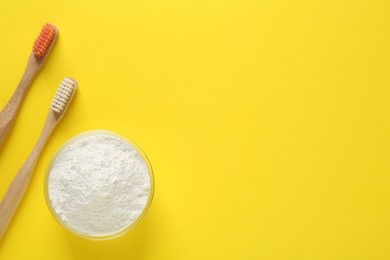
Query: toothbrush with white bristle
{"x": 16, "y": 190}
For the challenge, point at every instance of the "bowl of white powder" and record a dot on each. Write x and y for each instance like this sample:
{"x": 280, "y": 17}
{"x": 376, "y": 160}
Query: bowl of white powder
{"x": 99, "y": 185}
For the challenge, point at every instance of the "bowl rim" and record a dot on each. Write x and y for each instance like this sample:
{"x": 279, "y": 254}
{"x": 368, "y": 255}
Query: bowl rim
{"x": 74, "y": 139}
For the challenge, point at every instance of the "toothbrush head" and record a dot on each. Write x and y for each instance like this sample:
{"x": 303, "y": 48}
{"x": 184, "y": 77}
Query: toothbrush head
{"x": 64, "y": 95}
{"x": 44, "y": 40}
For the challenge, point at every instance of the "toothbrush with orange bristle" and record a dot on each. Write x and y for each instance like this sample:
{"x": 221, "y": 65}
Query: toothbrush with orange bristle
{"x": 19, "y": 185}
{"x": 41, "y": 49}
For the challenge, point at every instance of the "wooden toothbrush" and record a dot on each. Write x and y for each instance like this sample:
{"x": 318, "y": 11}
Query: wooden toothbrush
{"x": 20, "y": 182}
{"x": 41, "y": 49}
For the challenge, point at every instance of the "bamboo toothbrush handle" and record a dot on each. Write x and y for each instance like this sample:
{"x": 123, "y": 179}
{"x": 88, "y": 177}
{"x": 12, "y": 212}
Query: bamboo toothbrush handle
{"x": 19, "y": 185}
{"x": 8, "y": 114}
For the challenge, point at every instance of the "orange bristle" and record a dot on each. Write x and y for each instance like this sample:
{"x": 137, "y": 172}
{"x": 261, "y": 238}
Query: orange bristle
{"x": 45, "y": 38}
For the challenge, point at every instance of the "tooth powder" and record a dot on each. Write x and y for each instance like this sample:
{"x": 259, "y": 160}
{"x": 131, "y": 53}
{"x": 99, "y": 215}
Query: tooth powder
{"x": 98, "y": 185}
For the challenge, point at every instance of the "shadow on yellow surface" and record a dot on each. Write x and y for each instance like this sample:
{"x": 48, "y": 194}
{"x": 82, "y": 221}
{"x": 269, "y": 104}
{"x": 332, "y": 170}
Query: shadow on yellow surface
{"x": 133, "y": 245}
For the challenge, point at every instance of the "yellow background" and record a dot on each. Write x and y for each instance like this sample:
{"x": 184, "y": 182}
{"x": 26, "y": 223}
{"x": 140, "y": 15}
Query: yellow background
{"x": 267, "y": 123}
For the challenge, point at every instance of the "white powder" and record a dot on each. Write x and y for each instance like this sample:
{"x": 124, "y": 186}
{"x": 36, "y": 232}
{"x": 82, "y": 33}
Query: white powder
{"x": 99, "y": 185}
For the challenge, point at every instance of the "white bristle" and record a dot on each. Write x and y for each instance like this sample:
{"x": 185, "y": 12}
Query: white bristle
{"x": 62, "y": 96}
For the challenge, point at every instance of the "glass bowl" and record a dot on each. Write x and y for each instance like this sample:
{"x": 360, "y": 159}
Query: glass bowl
{"x": 76, "y": 232}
